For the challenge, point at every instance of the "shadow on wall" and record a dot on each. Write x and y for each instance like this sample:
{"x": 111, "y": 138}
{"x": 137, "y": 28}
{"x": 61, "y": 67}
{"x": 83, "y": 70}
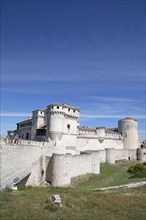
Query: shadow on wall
{"x": 22, "y": 182}
{"x": 49, "y": 169}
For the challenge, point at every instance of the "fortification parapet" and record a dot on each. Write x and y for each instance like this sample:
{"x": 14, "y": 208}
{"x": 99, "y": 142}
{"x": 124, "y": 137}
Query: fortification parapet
{"x": 38, "y": 120}
{"x": 55, "y": 122}
{"x": 62, "y": 122}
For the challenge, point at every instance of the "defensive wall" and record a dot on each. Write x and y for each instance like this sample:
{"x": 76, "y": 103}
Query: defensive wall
{"x": 86, "y": 143}
{"x": 64, "y": 167}
{"x": 16, "y": 161}
{"x": 56, "y": 165}
{"x": 110, "y": 155}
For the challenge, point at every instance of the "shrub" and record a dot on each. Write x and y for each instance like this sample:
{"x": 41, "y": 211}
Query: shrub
{"x": 138, "y": 171}
{"x": 140, "y": 174}
{"x": 139, "y": 167}
{"x": 131, "y": 169}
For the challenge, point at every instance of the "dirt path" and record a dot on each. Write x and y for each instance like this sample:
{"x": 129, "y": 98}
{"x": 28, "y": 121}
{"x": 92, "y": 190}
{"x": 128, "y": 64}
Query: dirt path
{"x": 130, "y": 185}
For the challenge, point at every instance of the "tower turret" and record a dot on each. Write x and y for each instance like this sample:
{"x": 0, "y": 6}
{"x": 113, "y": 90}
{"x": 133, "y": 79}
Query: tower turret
{"x": 62, "y": 122}
{"x": 38, "y": 120}
{"x": 128, "y": 129}
{"x": 55, "y": 122}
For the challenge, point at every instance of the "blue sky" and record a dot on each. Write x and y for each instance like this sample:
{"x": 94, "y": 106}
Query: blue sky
{"x": 90, "y": 54}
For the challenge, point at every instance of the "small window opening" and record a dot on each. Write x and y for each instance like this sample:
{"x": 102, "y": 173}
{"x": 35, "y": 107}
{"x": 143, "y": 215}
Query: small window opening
{"x": 128, "y": 158}
{"x": 68, "y": 126}
{"x": 57, "y": 107}
{"x": 73, "y": 110}
{"x": 69, "y": 109}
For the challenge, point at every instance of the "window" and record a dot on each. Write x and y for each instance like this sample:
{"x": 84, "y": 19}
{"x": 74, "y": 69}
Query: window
{"x": 57, "y": 107}
{"x": 73, "y": 110}
{"x": 68, "y": 126}
{"x": 69, "y": 109}
{"x": 25, "y": 124}
{"x": 27, "y": 136}
{"x": 41, "y": 132}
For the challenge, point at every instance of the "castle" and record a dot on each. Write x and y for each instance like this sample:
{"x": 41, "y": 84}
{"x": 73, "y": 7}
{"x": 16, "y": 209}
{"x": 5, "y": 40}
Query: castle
{"x": 54, "y": 148}
{"x": 58, "y": 125}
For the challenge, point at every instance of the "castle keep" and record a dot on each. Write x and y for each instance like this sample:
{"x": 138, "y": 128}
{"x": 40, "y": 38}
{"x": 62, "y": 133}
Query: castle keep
{"x": 54, "y": 148}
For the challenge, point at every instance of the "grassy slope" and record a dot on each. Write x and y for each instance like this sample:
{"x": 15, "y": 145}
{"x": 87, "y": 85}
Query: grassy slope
{"x": 80, "y": 201}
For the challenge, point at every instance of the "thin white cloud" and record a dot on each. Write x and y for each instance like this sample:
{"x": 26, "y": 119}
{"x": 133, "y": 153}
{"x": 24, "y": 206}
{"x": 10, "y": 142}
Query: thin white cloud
{"x": 109, "y": 99}
{"x": 38, "y": 72}
{"x": 35, "y": 78}
{"x": 14, "y": 114}
{"x": 4, "y": 124}
{"x": 65, "y": 70}
{"x": 112, "y": 116}
{"x": 28, "y": 91}
{"x": 123, "y": 107}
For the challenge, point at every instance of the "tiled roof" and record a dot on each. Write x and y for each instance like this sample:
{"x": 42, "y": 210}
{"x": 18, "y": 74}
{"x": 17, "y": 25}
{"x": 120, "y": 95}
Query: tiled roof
{"x": 110, "y": 131}
{"x": 24, "y": 121}
{"x": 86, "y": 129}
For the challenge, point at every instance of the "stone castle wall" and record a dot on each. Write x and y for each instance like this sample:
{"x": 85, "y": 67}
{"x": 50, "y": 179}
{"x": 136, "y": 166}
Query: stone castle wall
{"x": 87, "y": 143}
{"x": 65, "y": 167}
{"x": 55, "y": 165}
{"x": 17, "y": 161}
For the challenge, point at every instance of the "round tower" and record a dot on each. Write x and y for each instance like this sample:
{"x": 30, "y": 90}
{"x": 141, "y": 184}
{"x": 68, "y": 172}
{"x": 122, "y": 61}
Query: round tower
{"x": 141, "y": 154}
{"x": 110, "y": 155}
{"x": 55, "y": 122}
{"x": 128, "y": 129}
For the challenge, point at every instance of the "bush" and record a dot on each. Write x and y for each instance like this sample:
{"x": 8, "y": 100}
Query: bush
{"x": 139, "y": 167}
{"x": 131, "y": 169}
{"x": 139, "y": 174}
{"x": 138, "y": 171}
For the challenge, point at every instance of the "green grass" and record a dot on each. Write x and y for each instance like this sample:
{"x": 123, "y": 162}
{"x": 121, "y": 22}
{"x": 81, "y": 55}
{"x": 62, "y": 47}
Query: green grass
{"x": 80, "y": 201}
{"x": 110, "y": 175}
